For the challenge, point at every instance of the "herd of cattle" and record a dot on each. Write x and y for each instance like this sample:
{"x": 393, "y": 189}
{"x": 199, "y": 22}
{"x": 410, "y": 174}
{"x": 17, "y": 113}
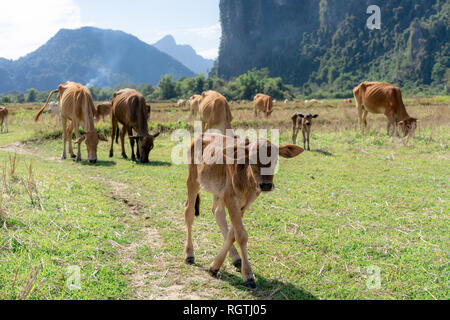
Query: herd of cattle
{"x": 235, "y": 183}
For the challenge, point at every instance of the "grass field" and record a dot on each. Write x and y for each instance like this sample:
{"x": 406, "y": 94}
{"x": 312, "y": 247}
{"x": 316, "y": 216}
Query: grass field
{"x": 350, "y": 204}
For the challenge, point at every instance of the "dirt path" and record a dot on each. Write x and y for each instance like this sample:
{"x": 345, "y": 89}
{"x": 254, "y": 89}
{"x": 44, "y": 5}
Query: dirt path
{"x": 156, "y": 279}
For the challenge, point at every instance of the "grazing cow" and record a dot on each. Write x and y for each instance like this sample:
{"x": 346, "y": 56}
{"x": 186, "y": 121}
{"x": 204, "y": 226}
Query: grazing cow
{"x": 383, "y": 98}
{"x": 76, "y": 106}
{"x": 286, "y": 101}
{"x": 130, "y": 109}
{"x": 3, "y": 118}
{"x": 263, "y": 103}
{"x": 236, "y": 172}
{"x": 103, "y": 111}
{"x": 181, "y": 103}
{"x": 214, "y": 111}
{"x": 194, "y": 103}
{"x": 303, "y": 122}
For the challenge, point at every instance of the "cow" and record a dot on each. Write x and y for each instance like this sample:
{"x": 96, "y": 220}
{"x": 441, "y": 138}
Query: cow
{"x": 303, "y": 122}
{"x": 3, "y": 118}
{"x": 103, "y": 111}
{"x": 76, "y": 106}
{"x": 194, "y": 103}
{"x": 263, "y": 103}
{"x": 383, "y": 98}
{"x": 55, "y": 110}
{"x": 286, "y": 101}
{"x": 130, "y": 109}
{"x": 181, "y": 103}
{"x": 214, "y": 112}
{"x": 236, "y": 172}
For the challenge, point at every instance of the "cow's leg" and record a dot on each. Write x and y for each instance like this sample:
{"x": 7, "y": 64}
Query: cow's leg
{"x": 193, "y": 189}
{"x": 360, "y": 109}
{"x": 69, "y": 139}
{"x": 220, "y": 215}
{"x": 122, "y": 141}
{"x": 304, "y": 138}
{"x": 364, "y": 120}
{"x": 6, "y": 124}
{"x": 308, "y": 136}
{"x": 391, "y": 122}
{"x": 294, "y": 134}
{"x": 77, "y": 135}
{"x": 115, "y": 125}
{"x": 237, "y": 232}
{"x": 1, "y": 125}
{"x": 64, "y": 136}
{"x": 130, "y": 134}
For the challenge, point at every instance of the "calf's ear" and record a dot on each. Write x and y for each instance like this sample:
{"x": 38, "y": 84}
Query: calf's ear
{"x": 156, "y": 134}
{"x": 80, "y": 140}
{"x": 315, "y": 116}
{"x": 290, "y": 151}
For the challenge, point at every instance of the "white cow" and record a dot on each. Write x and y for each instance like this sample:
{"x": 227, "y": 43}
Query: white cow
{"x": 286, "y": 101}
{"x": 55, "y": 110}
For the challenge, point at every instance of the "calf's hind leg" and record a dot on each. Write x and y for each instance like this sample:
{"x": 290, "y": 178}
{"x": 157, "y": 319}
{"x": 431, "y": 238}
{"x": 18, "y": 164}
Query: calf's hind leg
{"x": 193, "y": 188}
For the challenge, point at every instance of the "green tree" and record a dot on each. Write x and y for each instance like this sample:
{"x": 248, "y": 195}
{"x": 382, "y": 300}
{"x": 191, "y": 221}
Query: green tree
{"x": 167, "y": 87}
{"x": 32, "y": 95}
{"x": 6, "y": 99}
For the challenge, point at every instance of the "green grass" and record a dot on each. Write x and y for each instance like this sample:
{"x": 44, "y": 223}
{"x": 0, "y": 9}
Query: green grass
{"x": 351, "y": 203}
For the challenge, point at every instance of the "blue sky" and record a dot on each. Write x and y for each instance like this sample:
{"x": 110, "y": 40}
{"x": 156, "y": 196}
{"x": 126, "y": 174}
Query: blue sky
{"x": 194, "y": 22}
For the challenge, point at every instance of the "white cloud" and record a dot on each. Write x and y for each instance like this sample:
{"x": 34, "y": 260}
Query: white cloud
{"x": 209, "y": 32}
{"x": 26, "y": 25}
{"x": 210, "y": 53}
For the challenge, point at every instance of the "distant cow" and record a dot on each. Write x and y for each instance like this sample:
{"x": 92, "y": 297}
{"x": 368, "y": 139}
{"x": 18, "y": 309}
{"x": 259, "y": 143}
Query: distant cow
{"x": 103, "y": 110}
{"x": 130, "y": 109}
{"x": 263, "y": 103}
{"x": 3, "y": 118}
{"x": 214, "y": 111}
{"x": 194, "y": 103}
{"x": 76, "y": 106}
{"x": 303, "y": 122}
{"x": 181, "y": 103}
{"x": 236, "y": 172}
{"x": 286, "y": 101}
{"x": 383, "y": 98}
{"x": 55, "y": 110}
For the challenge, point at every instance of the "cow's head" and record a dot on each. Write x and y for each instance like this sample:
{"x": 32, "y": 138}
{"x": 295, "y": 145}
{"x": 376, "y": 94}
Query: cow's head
{"x": 145, "y": 145}
{"x": 262, "y": 158}
{"x": 409, "y": 127}
{"x": 91, "y": 139}
{"x": 307, "y": 119}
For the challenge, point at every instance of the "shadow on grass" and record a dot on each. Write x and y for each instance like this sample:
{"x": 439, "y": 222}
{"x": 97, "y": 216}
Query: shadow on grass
{"x": 100, "y": 163}
{"x": 267, "y": 289}
{"x": 324, "y": 152}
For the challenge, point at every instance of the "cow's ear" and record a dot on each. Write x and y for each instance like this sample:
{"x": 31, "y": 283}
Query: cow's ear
{"x": 80, "y": 140}
{"x": 315, "y": 116}
{"x": 301, "y": 115}
{"x": 290, "y": 151}
{"x": 156, "y": 134}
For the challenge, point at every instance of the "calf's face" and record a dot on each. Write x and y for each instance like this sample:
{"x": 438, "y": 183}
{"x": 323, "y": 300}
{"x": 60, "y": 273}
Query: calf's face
{"x": 307, "y": 119}
{"x": 267, "y": 155}
{"x": 409, "y": 127}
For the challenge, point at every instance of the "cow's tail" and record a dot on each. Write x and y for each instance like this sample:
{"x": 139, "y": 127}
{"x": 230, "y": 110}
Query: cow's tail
{"x": 36, "y": 117}
{"x": 197, "y": 205}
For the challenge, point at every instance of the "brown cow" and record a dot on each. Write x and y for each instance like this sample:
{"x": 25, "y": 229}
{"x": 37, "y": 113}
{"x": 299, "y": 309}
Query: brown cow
{"x": 263, "y": 103}
{"x": 77, "y": 106}
{"x": 214, "y": 111}
{"x": 3, "y": 118}
{"x": 130, "y": 109}
{"x": 383, "y": 98}
{"x": 303, "y": 122}
{"x": 233, "y": 171}
{"x": 194, "y": 103}
{"x": 103, "y": 110}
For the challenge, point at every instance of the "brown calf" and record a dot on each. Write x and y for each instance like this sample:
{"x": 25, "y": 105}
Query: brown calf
{"x": 130, "y": 109}
{"x": 103, "y": 110}
{"x": 3, "y": 118}
{"x": 263, "y": 103}
{"x": 233, "y": 171}
{"x": 383, "y": 98}
{"x": 76, "y": 106}
{"x": 194, "y": 103}
{"x": 303, "y": 122}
